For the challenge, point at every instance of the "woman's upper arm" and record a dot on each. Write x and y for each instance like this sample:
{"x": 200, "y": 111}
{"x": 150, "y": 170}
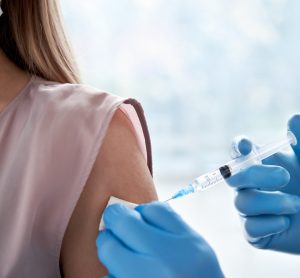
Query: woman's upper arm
{"x": 120, "y": 170}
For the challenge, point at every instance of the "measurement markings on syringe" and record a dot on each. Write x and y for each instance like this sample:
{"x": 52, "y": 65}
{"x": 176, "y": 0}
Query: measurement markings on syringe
{"x": 208, "y": 180}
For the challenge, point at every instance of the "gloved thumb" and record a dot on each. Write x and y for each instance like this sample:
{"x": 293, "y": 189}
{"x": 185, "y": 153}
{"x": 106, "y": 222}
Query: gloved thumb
{"x": 241, "y": 145}
{"x": 294, "y": 126}
{"x": 162, "y": 216}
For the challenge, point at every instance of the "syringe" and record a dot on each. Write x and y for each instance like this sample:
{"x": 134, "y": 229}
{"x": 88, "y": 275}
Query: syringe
{"x": 234, "y": 166}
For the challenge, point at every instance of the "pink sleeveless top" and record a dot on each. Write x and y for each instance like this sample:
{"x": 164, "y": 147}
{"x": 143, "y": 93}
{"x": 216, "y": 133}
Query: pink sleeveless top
{"x": 50, "y": 135}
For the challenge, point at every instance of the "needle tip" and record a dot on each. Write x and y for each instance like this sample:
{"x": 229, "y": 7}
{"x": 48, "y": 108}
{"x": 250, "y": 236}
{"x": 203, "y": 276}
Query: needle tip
{"x": 168, "y": 200}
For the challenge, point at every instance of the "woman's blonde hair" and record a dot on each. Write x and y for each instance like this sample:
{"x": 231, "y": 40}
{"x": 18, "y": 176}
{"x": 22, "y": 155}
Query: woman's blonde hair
{"x": 32, "y": 36}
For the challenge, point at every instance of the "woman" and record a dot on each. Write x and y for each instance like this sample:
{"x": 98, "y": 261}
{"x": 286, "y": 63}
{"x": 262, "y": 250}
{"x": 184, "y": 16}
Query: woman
{"x": 61, "y": 156}
{"x": 65, "y": 149}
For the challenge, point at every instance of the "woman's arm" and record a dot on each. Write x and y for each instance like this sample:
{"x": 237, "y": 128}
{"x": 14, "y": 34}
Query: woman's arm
{"x": 120, "y": 170}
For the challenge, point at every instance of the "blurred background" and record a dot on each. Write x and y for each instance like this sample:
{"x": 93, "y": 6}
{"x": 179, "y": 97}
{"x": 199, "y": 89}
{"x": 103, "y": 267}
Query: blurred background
{"x": 204, "y": 71}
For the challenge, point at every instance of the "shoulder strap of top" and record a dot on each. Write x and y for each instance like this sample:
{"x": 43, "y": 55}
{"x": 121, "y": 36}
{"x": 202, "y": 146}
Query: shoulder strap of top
{"x": 140, "y": 112}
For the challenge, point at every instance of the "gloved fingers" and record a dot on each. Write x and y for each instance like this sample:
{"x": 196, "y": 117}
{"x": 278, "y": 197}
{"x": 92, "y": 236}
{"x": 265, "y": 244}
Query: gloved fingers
{"x": 109, "y": 248}
{"x": 253, "y": 202}
{"x": 162, "y": 216}
{"x": 294, "y": 126}
{"x": 241, "y": 145}
{"x": 120, "y": 260}
{"x": 266, "y": 177}
{"x": 261, "y": 243}
{"x": 265, "y": 225}
{"x": 279, "y": 159}
{"x": 129, "y": 226}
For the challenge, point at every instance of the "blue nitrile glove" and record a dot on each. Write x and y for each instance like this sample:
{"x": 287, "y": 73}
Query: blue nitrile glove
{"x": 153, "y": 241}
{"x": 268, "y": 197}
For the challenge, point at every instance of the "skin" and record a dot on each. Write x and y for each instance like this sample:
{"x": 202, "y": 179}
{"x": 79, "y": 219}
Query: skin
{"x": 120, "y": 170}
{"x": 12, "y": 80}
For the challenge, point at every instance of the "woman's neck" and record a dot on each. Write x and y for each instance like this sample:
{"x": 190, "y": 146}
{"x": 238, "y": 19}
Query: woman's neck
{"x": 12, "y": 79}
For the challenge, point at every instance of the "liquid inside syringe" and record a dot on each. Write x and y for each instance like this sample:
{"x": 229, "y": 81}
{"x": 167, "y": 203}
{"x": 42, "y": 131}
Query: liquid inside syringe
{"x": 201, "y": 183}
{"x": 233, "y": 167}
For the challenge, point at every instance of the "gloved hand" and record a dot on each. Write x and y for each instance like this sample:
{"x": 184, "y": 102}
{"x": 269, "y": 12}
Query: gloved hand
{"x": 153, "y": 241}
{"x": 268, "y": 197}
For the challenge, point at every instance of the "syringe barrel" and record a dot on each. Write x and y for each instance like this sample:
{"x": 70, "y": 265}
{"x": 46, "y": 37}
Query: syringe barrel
{"x": 207, "y": 180}
{"x": 243, "y": 162}
{"x": 234, "y": 166}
